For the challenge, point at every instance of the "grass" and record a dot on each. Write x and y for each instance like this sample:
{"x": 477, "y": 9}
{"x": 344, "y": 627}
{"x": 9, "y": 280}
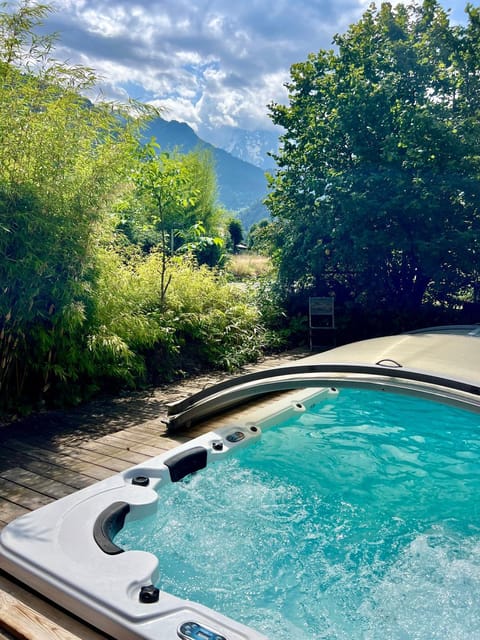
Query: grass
{"x": 244, "y": 266}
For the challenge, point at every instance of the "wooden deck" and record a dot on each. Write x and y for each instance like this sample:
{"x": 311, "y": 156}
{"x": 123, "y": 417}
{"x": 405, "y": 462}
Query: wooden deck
{"x": 52, "y": 455}
{"x": 36, "y": 469}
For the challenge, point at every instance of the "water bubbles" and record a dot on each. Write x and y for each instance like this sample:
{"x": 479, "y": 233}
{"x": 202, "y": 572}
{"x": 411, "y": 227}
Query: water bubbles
{"x": 356, "y": 520}
{"x": 431, "y": 591}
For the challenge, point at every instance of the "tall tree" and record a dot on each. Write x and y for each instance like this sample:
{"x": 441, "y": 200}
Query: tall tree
{"x": 235, "y": 231}
{"x": 173, "y": 206}
{"x": 377, "y": 195}
{"x": 166, "y": 193}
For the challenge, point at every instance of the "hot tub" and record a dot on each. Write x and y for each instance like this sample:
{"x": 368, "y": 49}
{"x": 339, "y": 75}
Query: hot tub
{"x": 67, "y": 550}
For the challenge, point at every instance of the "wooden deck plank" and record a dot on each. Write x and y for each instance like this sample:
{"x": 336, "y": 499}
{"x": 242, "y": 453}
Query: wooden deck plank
{"x": 29, "y": 617}
{"x": 143, "y": 435}
{"x": 12, "y": 459}
{"x": 4, "y": 635}
{"x": 22, "y": 496}
{"x": 124, "y": 454}
{"x": 95, "y": 471}
{"x": 9, "y": 511}
{"x": 94, "y": 457}
{"x": 71, "y": 478}
{"x": 143, "y": 450}
{"x": 155, "y": 442}
{"x": 168, "y": 441}
{"x": 137, "y": 439}
{"x": 77, "y": 453}
{"x": 37, "y": 483}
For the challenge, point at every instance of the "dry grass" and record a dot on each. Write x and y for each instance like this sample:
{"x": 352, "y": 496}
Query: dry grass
{"x": 248, "y": 265}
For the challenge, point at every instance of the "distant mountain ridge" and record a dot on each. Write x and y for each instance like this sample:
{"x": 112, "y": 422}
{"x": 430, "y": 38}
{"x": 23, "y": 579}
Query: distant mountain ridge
{"x": 255, "y": 147}
{"x": 241, "y": 185}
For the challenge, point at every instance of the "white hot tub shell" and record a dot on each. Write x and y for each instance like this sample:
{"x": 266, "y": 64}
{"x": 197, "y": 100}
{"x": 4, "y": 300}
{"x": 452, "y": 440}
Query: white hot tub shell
{"x": 57, "y": 550}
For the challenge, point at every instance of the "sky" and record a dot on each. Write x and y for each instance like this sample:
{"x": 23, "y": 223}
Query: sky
{"x": 210, "y": 63}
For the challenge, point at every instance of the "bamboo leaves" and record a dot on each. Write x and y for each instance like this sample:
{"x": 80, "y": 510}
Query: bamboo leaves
{"x": 60, "y": 159}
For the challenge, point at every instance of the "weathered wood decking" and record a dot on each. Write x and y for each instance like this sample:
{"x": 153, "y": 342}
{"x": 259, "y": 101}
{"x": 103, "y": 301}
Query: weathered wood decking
{"x": 36, "y": 469}
{"x": 49, "y": 456}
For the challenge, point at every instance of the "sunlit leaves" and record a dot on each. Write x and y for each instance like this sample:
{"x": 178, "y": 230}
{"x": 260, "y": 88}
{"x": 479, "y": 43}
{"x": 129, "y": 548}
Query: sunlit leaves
{"x": 61, "y": 159}
{"x": 381, "y": 138}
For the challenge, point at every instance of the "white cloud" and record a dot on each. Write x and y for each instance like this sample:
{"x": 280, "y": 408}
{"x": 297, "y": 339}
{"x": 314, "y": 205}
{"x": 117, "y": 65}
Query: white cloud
{"x": 181, "y": 110}
{"x": 208, "y": 62}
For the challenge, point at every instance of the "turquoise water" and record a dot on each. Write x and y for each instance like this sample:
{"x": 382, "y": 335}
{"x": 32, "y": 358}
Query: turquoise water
{"x": 357, "y": 519}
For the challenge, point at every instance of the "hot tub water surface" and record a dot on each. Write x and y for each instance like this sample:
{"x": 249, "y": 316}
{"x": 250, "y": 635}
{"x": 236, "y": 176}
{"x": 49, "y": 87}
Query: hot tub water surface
{"x": 358, "y": 518}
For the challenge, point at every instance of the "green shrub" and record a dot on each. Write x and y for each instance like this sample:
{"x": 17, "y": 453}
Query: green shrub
{"x": 127, "y": 318}
{"x": 217, "y": 322}
{"x": 204, "y": 321}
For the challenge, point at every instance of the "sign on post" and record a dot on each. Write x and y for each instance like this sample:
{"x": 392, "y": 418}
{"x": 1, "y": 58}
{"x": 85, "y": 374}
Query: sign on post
{"x": 321, "y": 316}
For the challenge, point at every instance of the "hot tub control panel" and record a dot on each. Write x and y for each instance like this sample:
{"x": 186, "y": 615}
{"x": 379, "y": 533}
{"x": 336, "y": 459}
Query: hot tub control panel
{"x": 194, "y": 631}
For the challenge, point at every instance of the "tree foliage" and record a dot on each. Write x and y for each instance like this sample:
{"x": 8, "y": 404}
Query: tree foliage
{"x": 235, "y": 232}
{"x": 376, "y": 198}
{"x": 80, "y": 306}
{"x": 173, "y": 204}
{"x": 261, "y": 237}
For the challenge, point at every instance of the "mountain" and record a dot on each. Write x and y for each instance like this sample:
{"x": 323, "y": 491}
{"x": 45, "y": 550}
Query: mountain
{"x": 251, "y": 146}
{"x": 240, "y": 184}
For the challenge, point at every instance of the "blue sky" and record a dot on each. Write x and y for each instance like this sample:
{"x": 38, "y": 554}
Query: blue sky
{"x": 209, "y": 63}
